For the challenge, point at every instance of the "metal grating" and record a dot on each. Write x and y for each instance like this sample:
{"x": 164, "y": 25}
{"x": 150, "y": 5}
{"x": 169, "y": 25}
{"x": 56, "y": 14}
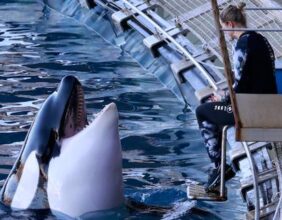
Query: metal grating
{"x": 196, "y": 15}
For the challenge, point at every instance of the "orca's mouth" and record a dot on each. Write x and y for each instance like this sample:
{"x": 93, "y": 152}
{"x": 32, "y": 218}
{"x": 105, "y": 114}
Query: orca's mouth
{"x": 75, "y": 117}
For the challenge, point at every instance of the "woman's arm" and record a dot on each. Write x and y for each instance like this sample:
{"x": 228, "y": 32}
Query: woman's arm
{"x": 239, "y": 59}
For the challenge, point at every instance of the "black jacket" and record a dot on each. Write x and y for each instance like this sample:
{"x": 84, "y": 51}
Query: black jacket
{"x": 254, "y": 65}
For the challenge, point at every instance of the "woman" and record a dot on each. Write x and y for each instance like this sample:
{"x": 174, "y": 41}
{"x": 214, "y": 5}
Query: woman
{"x": 254, "y": 69}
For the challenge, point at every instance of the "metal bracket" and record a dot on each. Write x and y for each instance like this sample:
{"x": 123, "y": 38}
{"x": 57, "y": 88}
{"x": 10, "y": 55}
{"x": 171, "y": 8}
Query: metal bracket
{"x": 178, "y": 68}
{"x": 120, "y": 18}
{"x": 155, "y": 41}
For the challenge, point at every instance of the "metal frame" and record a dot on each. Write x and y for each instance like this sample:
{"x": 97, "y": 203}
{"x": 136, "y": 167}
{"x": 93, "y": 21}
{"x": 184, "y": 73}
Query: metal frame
{"x": 278, "y": 167}
{"x": 276, "y": 215}
{"x": 255, "y": 178}
{"x": 223, "y": 161}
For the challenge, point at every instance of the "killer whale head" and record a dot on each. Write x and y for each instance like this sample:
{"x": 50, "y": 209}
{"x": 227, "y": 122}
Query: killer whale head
{"x": 66, "y": 164}
{"x": 99, "y": 164}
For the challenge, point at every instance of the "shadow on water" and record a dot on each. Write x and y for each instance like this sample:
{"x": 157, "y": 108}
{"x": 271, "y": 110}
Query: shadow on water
{"x": 161, "y": 145}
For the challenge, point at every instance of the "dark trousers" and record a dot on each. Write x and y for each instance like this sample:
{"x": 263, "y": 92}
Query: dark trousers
{"x": 212, "y": 116}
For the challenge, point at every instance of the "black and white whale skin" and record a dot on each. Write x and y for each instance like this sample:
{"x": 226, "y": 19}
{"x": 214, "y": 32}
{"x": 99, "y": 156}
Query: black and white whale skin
{"x": 65, "y": 164}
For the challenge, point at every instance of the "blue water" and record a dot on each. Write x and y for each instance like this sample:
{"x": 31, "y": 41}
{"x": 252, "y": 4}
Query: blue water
{"x": 162, "y": 148}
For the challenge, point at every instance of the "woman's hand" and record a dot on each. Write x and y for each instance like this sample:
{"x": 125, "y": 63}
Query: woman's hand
{"x": 217, "y": 96}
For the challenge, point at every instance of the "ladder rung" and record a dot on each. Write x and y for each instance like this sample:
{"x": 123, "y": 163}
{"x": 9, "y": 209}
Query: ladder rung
{"x": 238, "y": 152}
{"x": 247, "y": 184}
{"x": 264, "y": 211}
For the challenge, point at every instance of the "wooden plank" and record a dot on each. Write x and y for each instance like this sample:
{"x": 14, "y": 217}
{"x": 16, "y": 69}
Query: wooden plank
{"x": 197, "y": 191}
{"x": 259, "y": 134}
{"x": 260, "y": 110}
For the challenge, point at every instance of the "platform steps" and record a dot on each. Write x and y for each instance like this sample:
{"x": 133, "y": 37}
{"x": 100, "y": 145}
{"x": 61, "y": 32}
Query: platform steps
{"x": 196, "y": 191}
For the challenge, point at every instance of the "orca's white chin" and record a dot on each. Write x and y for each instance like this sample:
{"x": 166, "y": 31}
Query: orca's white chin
{"x": 86, "y": 176}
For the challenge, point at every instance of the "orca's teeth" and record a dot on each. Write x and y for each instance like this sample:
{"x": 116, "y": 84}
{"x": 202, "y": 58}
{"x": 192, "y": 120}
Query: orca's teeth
{"x": 75, "y": 112}
{"x": 80, "y": 110}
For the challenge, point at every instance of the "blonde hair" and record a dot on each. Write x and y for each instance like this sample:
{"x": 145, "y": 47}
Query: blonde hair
{"x": 234, "y": 13}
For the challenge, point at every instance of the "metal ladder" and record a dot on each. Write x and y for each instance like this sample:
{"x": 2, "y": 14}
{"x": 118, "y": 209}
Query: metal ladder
{"x": 256, "y": 187}
{"x": 260, "y": 189}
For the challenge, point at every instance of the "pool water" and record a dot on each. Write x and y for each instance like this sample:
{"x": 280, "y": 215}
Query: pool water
{"x": 162, "y": 147}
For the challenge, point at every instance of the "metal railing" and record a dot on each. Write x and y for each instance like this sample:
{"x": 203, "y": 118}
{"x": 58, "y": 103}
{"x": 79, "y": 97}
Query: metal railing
{"x": 257, "y": 29}
{"x": 181, "y": 49}
{"x": 252, "y": 29}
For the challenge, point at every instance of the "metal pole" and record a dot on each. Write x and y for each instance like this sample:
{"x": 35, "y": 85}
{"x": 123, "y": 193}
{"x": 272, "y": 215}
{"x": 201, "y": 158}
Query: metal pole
{"x": 255, "y": 179}
{"x": 263, "y": 8}
{"x": 279, "y": 171}
{"x": 223, "y": 162}
{"x": 227, "y": 64}
{"x": 172, "y": 40}
{"x": 277, "y": 213}
{"x": 251, "y": 29}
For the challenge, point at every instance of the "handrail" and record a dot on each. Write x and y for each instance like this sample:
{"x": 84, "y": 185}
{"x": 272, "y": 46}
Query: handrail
{"x": 277, "y": 214}
{"x": 172, "y": 40}
{"x": 223, "y": 161}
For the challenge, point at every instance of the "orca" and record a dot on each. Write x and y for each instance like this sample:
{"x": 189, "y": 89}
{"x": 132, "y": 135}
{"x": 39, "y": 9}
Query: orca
{"x": 66, "y": 164}
{"x": 87, "y": 176}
